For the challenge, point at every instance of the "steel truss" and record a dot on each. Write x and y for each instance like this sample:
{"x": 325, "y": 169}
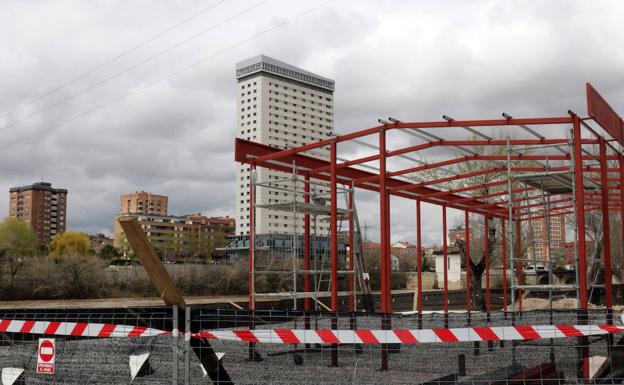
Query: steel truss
{"x": 536, "y": 175}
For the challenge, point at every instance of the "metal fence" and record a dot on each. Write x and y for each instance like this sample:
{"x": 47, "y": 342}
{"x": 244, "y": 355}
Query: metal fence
{"x": 145, "y": 348}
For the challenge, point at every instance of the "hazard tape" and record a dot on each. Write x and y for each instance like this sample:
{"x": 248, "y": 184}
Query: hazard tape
{"x": 404, "y": 336}
{"x": 318, "y": 336}
{"x": 77, "y": 329}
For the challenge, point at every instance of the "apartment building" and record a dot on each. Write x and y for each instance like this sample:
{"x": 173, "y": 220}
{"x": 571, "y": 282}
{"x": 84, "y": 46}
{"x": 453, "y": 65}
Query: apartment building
{"x": 42, "y": 206}
{"x": 281, "y": 106}
{"x": 192, "y": 235}
{"x": 145, "y": 203}
{"x": 539, "y": 239}
{"x": 174, "y": 237}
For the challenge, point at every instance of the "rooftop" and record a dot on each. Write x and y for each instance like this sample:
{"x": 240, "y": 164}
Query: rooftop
{"x": 39, "y": 186}
{"x": 262, "y": 63}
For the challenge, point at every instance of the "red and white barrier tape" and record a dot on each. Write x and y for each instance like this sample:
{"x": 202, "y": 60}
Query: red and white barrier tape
{"x": 319, "y": 336}
{"x": 77, "y": 329}
{"x": 404, "y": 336}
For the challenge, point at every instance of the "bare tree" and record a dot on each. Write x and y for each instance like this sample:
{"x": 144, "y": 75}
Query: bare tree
{"x": 478, "y": 268}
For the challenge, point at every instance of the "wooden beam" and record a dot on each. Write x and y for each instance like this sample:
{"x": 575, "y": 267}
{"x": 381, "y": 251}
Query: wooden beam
{"x": 169, "y": 292}
{"x": 166, "y": 288}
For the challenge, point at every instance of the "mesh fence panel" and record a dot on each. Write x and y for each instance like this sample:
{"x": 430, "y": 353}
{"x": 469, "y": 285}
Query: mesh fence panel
{"x": 81, "y": 360}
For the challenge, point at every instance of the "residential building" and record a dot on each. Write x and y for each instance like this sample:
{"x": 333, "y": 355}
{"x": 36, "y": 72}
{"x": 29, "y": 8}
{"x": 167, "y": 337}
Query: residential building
{"x": 143, "y": 203}
{"x": 539, "y": 239}
{"x": 453, "y": 266}
{"x": 42, "y": 206}
{"x": 457, "y": 233}
{"x": 281, "y": 106}
{"x": 175, "y": 237}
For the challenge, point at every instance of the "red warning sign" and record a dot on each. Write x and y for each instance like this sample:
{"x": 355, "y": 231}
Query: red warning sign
{"x": 46, "y": 356}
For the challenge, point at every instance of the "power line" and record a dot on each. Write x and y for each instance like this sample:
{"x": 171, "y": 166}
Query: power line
{"x": 132, "y": 67}
{"x": 170, "y": 75}
{"x": 111, "y": 60}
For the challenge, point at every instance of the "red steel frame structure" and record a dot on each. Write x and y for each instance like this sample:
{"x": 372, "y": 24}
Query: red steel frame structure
{"x": 595, "y": 141}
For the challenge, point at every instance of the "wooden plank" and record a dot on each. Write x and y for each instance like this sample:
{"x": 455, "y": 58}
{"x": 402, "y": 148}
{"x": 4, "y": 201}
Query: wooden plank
{"x": 169, "y": 293}
{"x": 167, "y": 290}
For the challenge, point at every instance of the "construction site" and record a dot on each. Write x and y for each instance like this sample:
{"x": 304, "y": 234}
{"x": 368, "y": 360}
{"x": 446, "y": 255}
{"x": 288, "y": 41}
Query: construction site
{"x": 334, "y": 325}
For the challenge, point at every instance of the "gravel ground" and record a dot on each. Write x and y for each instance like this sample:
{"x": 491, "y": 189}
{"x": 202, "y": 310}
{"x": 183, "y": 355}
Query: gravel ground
{"x": 106, "y": 361}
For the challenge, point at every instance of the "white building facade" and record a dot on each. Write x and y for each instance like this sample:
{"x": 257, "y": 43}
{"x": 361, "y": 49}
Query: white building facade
{"x": 281, "y": 106}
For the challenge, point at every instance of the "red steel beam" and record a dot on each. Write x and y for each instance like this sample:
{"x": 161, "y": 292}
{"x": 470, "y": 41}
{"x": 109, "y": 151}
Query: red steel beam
{"x": 521, "y": 208}
{"x": 248, "y": 152}
{"x": 515, "y": 191}
{"x": 472, "y": 174}
{"x": 493, "y": 195}
{"x": 406, "y": 125}
{"x": 544, "y": 216}
{"x": 476, "y": 157}
{"x": 464, "y": 189}
{"x": 552, "y": 209}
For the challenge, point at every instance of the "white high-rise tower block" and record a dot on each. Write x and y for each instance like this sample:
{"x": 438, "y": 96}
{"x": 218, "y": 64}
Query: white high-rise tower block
{"x": 281, "y": 106}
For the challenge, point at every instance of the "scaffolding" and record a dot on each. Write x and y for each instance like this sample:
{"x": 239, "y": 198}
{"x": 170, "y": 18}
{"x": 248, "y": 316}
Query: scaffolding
{"x": 306, "y": 202}
{"x": 533, "y": 172}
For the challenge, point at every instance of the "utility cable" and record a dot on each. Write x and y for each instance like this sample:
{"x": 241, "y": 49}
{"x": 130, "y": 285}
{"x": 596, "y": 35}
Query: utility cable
{"x": 132, "y": 67}
{"x": 111, "y": 60}
{"x": 170, "y": 75}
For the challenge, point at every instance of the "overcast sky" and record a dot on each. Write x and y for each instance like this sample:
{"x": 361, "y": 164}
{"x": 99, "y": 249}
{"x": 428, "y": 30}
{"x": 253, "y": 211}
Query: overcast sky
{"x": 116, "y": 130}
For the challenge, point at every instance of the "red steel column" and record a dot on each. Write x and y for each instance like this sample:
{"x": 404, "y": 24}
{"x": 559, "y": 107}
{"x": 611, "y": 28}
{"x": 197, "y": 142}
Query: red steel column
{"x": 383, "y": 211}
{"x": 486, "y": 239}
{"x": 333, "y": 228}
{"x": 333, "y": 191}
{"x": 606, "y": 226}
{"x": 252, "y": 278}
{"x": 467, "y": 263}
{"x": 419, "y": 302}
{"x": 520, "y": 262}
{"x": 385, "y": 243}
{"x": 582, "y": 247}
{"x": 580, "y": 216}
{"x": 504, "y": 263}
{"x": 252, "y": 239}
{"x": 388, "y": 256}
{"x": 445, "y": 264}
{"x": 307, "y": 287}
{"x": 351, "y": 254}
{"x": 621, "y": 163}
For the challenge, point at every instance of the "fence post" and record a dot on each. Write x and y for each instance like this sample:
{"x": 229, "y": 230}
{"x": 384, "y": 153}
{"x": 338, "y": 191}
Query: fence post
{"x": 187, "y": 345}
{"x": 175, "y": 345}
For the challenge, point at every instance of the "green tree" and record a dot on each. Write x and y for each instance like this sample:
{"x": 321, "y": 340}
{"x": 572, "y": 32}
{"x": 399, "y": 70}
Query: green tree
{"x": 108, "y": 252}
{"x": 17, "y": 242}
{"x": 70, "y": 244}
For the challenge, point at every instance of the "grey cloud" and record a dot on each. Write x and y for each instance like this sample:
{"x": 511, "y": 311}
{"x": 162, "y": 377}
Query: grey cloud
{"x": 411, "y": 60}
